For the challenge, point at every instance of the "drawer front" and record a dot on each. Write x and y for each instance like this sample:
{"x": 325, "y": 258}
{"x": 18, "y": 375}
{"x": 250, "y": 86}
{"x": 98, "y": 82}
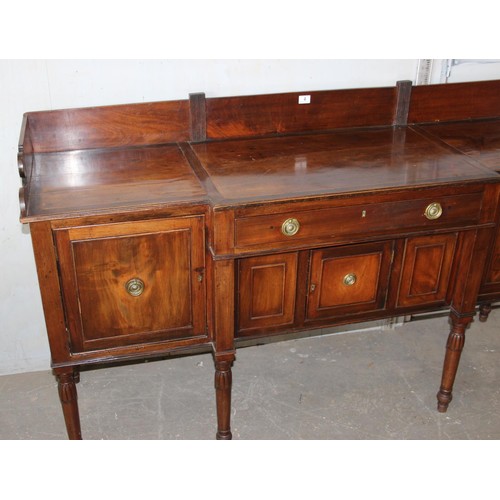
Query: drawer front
{"x": 306, "y": 226}
{"x": 348, "y": 280}
{"x": 133, "y": 283}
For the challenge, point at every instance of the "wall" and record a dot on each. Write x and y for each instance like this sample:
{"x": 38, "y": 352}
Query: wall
{"x": 463, "y": 70}
{"x": 30, "y": 85}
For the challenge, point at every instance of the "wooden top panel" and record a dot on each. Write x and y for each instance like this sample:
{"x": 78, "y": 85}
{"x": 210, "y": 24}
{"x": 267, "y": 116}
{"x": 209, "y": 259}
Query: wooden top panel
{"x": 109, "y": 126}
{"x": 230, "y": 117}
{"x": 90, "y": 161}
{"x": 86, "y": 182}
{"x": 454, "y": 101}
{"x": 479, "y": 140}
{"x": 345, "y": 161}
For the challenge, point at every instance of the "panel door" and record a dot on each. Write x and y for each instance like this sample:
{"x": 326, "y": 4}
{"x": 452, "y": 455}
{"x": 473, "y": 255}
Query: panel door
{"x": 493, "y": 270}
{"x": 133, "y": 282}
{"x": 348, "y": 280}
{"x": 426, "y": 271}
{"x": 266, "y": 291}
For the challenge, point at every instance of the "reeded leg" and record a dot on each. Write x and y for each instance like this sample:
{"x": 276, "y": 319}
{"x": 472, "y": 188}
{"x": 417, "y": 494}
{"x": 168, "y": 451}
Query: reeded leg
{"x": 69, "y": 400}
{"x": 484, "y": 312}
{"x": 223, "y": 382}
{"x": 454, "y": 346}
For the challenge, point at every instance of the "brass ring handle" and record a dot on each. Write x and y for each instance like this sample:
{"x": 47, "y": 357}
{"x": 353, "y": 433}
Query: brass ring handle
{"x": 134, "y": 287}
{"x": 433, "y": 211}
{"x": 290, "y": 227}
{"x": 350, "y": 279}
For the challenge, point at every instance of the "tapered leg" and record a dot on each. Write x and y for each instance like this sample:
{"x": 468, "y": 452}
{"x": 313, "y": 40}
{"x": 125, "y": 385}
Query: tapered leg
{"x": 484, "y": 312}
{"x": 69, "y": 400}
{"x": 223, "y": 383}
{"x": 454, "y": 347}
{"x": 222, "y": 272}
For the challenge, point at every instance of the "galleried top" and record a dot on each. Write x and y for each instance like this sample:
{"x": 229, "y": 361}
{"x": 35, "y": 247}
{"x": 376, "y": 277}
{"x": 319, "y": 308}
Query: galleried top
{"x": 240, "y": 150}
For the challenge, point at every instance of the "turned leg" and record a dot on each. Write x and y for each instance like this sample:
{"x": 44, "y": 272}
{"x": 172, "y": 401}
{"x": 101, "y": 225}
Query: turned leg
{"x": 454, "y": 346}
{"x": 67, "y": 394}
{"x": 223, "y": 382}
{"x": 484, "y": 312}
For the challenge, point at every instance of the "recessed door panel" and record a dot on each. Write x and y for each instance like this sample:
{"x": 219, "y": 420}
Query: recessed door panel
{"x": 348, "y": 280}
{"x": 267, "y": 290}
{"x": 133, "y": 282}
{"x": 493, "y": 270}
{"x": 426, "y": 269}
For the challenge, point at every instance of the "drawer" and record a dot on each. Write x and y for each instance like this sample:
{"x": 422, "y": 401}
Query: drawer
{"x": 325, "y": 224}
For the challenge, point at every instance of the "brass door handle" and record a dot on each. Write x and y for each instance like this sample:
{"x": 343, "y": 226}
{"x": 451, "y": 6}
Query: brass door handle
{"x": 433, "y": 211}
{"x": 134, "y": 287}
{"x": 350, "y": 279}
{"x": 290, "y": 227}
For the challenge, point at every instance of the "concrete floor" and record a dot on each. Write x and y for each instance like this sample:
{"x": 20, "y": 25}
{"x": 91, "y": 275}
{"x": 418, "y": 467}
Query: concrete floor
{"x": 375, "y": 384}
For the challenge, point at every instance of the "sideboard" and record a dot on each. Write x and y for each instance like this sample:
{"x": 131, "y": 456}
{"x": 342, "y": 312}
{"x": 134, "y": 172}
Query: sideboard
{"x": 175, "y": 226}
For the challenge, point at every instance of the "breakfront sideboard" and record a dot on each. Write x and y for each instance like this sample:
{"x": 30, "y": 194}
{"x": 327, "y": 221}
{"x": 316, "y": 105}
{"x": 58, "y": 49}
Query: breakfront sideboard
{"x": 172, "y": 226}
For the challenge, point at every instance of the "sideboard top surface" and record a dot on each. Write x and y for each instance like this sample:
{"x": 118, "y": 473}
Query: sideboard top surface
{"x": 93, "y": 181}
{"x": 345, "y": 161}
{"x": 220, "y": 151}
{"x": 479, "y": 140}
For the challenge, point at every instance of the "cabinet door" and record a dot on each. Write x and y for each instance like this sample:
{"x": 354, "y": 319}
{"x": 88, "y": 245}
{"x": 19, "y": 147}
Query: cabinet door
{"x": 493, "y": 269}
{"x": 133, "y": 282}
{"x": 267, "y": 290}
{"x": 348, "y": 280}
{"x": 426, "y": 269}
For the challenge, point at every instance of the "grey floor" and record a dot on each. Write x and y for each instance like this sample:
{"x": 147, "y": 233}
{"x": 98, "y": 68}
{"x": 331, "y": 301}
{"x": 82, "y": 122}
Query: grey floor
{"x": 375, "y": 384}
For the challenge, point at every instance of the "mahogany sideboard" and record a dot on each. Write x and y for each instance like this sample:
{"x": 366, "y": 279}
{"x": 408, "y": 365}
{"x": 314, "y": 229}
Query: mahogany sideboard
{"x": 172, "y": 226}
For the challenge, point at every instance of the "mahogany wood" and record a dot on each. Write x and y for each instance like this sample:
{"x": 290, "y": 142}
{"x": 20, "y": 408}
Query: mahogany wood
{"x": 479, "y": 140}
{"x": 96, "y": 264}
{"x": 224, "y": 350}
{"x": 357, "y": 219}
{"x": 66, "y": 382}
{"x": 492, "y": 276}
{"x": 223, "y": 383}
{"x": 298, "y": 166}
{"x": 426, "y": 269}
{"x": 197, "y": 117}
{"x": 48, "y": 279}
{"x": 267, "y": 288}
{"x": 250, "y": 116}
{"x": 331, "y": 295}
{"x": 403, "y": 89}
{"x": 454, "y": 101}
{"x": 77, "y": 183}
{"x": 109, "y": 126}
{"x": 190, "y": 198}
{"x": 484, "y": 312}
{"x": 454, "y": 347}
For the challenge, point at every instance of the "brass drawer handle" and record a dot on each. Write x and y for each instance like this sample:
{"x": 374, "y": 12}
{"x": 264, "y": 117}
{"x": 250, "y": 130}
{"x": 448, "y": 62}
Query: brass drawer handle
{"x": 350, "y": 279}
{"x": 135, "y": 287}
{"x": 433, "y": 211}
{"x": 290, "y": 227}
